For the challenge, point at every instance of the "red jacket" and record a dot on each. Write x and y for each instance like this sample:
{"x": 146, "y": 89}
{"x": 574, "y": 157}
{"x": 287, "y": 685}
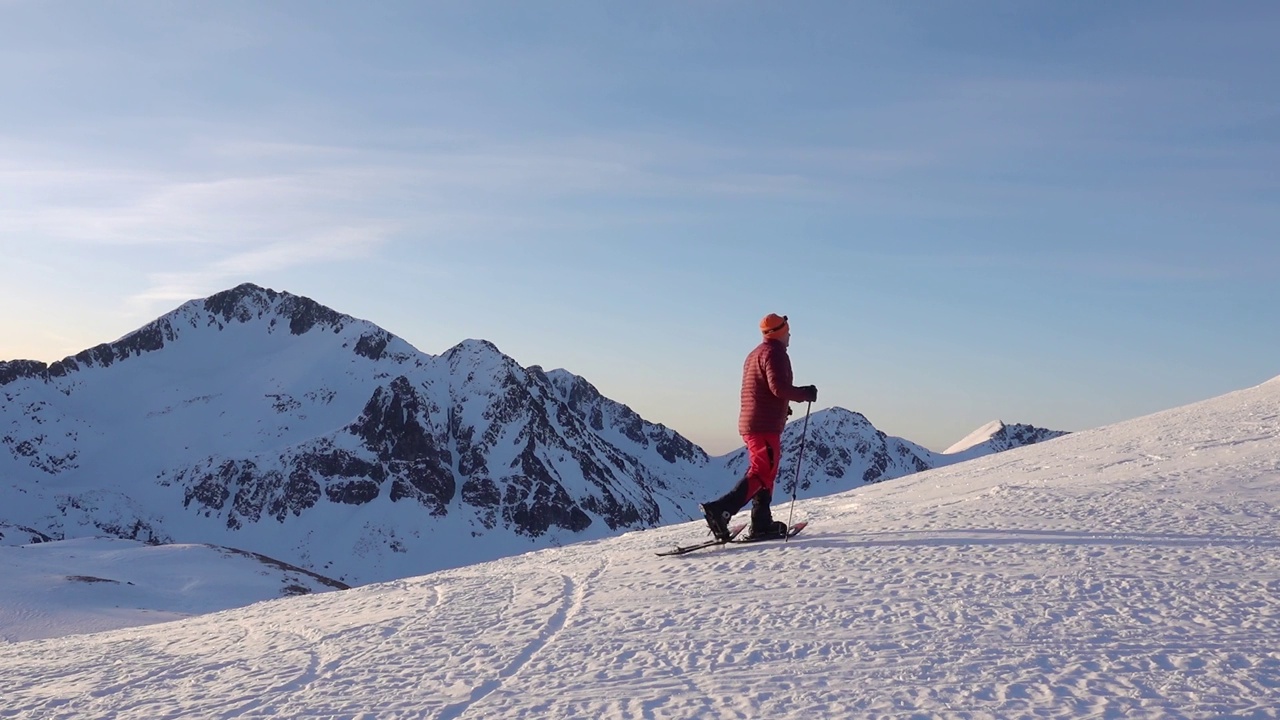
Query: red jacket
{"x": 766, "y": 389}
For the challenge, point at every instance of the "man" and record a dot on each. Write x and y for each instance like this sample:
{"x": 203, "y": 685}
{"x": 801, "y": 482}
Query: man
{"x": 766, "y": 394}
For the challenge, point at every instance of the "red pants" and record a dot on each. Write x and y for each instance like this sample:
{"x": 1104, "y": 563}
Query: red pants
{"x": 764, "y": 451}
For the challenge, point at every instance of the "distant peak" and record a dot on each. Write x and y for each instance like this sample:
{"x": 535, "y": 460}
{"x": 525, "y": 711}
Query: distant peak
{"x": 839, "y": 414}
{"x": 228, "y": 302}
{"x": 247, "y": 301}
{"x": 241, "y": 293}
{"x": 574, "y": 388}
{"x": 252, "y": 288}
{"x": 998, "y": 436}
{"x": 977, "y": 437}
{"x": 473, "y": 346}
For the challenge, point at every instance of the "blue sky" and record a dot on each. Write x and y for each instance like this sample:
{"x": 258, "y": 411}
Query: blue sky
{"x": 1060, "y": 214}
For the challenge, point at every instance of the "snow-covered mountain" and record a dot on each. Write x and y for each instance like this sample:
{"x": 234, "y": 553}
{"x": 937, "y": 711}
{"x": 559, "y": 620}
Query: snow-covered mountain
{"x": 266, "y": 421}
{"x": 263, "y": 420}
{"x": 997, "y": 437}
{"x": 1126, "y": 571}
{"x": 842, "y": 449}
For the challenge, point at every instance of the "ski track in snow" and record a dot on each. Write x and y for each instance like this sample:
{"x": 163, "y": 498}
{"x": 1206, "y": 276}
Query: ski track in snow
{"x": 1127, "y": 572}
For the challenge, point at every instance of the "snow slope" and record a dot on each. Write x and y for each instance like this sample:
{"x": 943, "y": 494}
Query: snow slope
{"x": 54, "y": 589}
{"x": 1127, "y": 571}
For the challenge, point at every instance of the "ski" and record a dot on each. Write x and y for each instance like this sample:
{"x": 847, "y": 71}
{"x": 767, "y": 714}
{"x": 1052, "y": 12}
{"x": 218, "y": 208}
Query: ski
{"x": 735, "y": 540}
{"x": 682, "y": 549}
{"x": 791, "y": 532}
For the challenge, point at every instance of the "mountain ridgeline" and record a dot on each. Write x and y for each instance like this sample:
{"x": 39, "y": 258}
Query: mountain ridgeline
{"x": 266, "y": 421}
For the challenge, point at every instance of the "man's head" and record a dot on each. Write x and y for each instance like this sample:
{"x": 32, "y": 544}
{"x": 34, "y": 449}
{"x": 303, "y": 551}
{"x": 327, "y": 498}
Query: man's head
{"x": 776, "y": 327}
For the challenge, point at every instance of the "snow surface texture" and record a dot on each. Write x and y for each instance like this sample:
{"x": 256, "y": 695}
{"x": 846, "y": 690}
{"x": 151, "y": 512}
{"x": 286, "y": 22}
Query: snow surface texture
{"x": 1128, "y": 571}
{"x": 53, "y": 589}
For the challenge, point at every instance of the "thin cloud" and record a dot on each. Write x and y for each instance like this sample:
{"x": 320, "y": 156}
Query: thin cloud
{"x": 328, "y": 246}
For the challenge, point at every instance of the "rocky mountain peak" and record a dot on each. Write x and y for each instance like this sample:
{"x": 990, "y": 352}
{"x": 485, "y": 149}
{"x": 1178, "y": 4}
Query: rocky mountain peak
{"x": 248, "y": 301}
{"x": 997, "y": 436}
{"x": 838, "y": 419}
{"x": 257, "y": 428}
{"x": 842, "y": 449}
{"x": 474, "y": 351}
{"x": 480, "y": 365}
{"x": 240, "y": 304}
{"x": 14, "y": 370}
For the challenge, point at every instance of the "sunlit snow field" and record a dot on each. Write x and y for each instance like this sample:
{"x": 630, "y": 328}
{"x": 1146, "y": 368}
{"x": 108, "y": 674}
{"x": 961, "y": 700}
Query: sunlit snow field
{"x": 1127, "y": 571}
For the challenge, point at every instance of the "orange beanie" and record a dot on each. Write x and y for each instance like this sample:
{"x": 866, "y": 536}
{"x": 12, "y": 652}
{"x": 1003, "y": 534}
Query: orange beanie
{"x": 773, "y": 324}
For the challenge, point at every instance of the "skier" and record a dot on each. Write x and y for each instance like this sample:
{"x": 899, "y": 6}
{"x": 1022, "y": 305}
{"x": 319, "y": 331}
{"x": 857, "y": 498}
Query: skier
{"x": 766, "y": 394}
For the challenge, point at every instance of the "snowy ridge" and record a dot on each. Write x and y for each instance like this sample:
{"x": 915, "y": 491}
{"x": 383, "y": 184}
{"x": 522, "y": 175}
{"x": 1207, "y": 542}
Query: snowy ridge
{"x": 842, "y": 450}
{"x": 981, "y": 435}
{"x": 996, "y": 437}
{"x": 244, "y": 304}
{"x": 54, "y": 589}
{"x": 263, "y": 420}
{"x": 12, "y": 535}
{"x": 1128, "y": 571}
{"x": 649, "y": 444}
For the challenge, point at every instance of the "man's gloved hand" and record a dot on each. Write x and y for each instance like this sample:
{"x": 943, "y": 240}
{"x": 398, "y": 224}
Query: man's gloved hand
{"x": 811, "y": 393}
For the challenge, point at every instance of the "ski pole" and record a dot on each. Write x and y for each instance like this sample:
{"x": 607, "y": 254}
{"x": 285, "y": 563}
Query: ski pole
{"x": 795, "y": 486}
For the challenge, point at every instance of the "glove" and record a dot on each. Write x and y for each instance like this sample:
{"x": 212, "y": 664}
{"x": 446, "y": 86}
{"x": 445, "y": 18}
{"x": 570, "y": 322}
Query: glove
{"x": 811, "y": 393}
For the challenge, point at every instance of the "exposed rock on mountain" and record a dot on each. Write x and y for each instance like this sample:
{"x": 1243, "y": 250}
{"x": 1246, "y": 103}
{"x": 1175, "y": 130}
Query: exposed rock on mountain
{"x": 266, "y": 421}
{"x": 842, "y": 450}
{"x": 252, "y": 417}
{"x": 997, "y": 437}
{"x": 11, "y": 535}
